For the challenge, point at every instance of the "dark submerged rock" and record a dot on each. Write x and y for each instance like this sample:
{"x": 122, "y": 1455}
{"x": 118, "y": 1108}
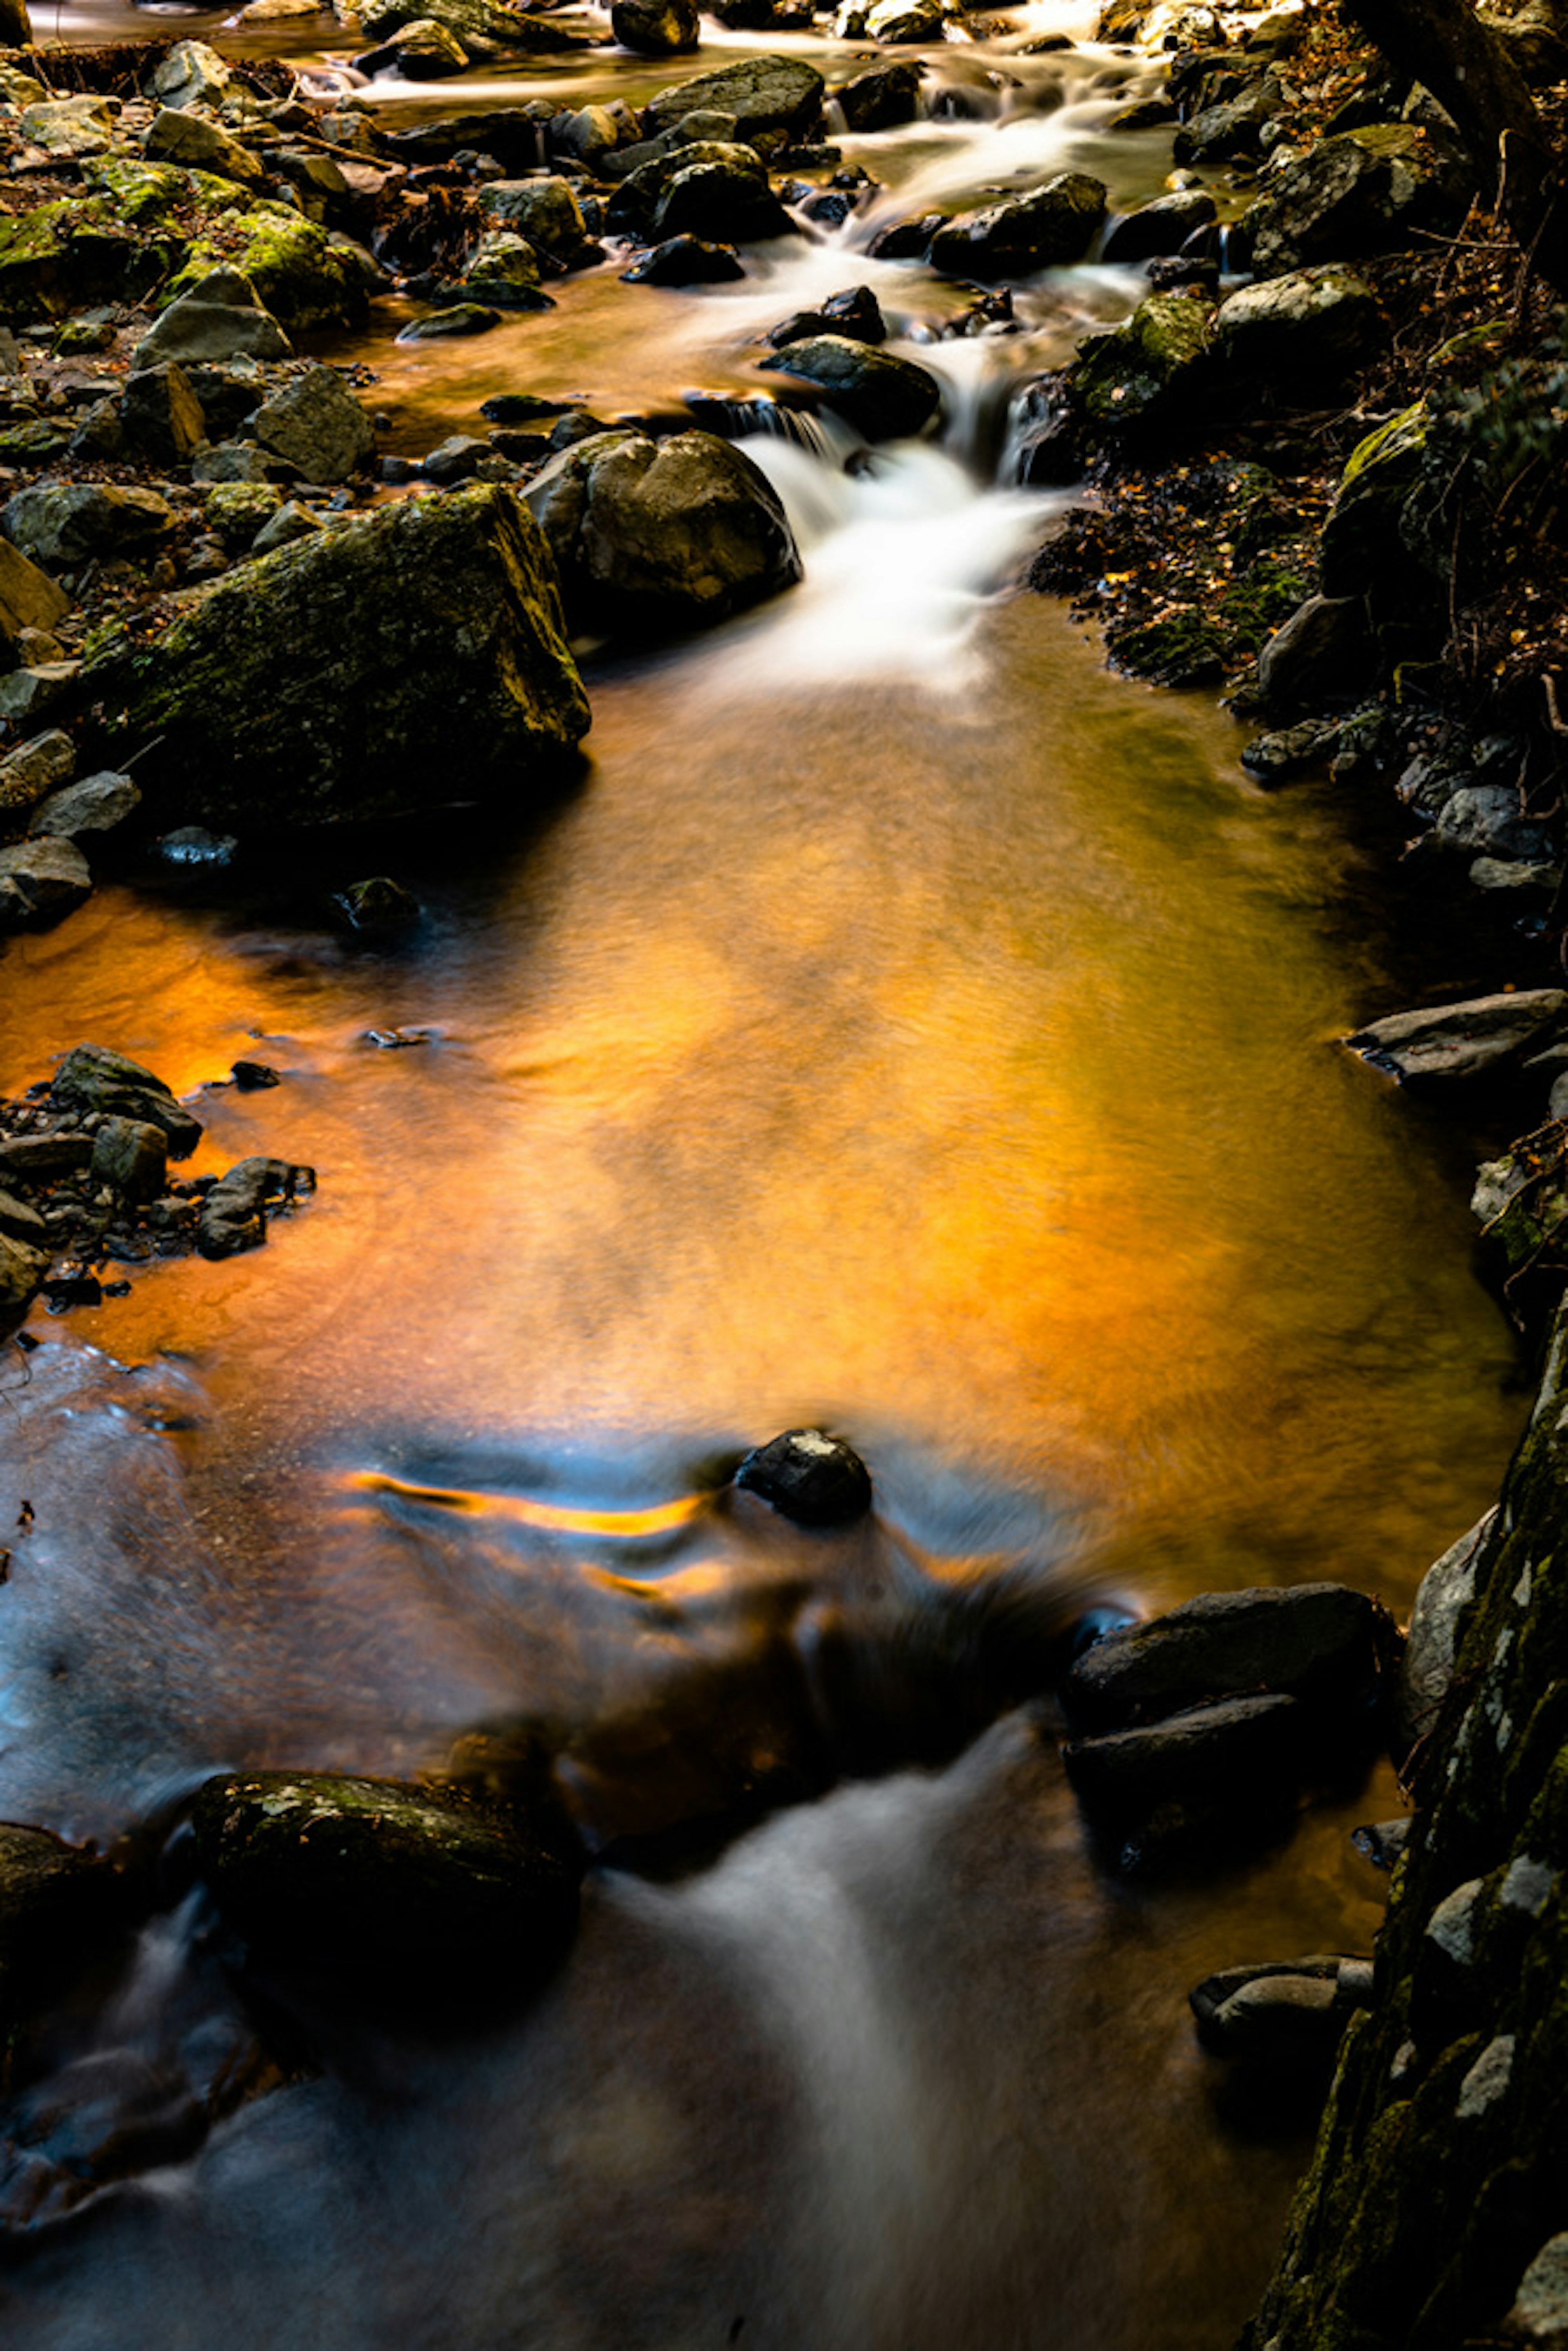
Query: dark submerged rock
{"x": 1322, "y": 1643}
{"x": 1287, "y": 2018}
{"x": 382, "y": 1880}
{"x": 408, "y": 659}
{"x": 1223, "y": 1773}
{"x": 810, "y": 1477}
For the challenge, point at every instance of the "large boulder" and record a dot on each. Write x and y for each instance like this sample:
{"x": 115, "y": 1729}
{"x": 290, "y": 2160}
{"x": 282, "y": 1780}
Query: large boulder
{"x": 1055, "y": 223}
{"x": 412, "y": 658}
{"x": 60, "y": 257}
{"x": 1358, "y": 191}
{"x": 305, "y": 275}
{"x": 544, "y": 211}
{"x": 760, "y": 94}
{"x": 727, "y": 202}
{"x": 177, "y": 136}
{"x": 653, "y": 537}
{"x": 378, "y": 1878}
{"x": 883, "y": 97}
{"x": 1309, "y": 327}
{"x": 220, "y": 317}
{"x": 883, "y": 397}
{"x": 1162, "y": 227}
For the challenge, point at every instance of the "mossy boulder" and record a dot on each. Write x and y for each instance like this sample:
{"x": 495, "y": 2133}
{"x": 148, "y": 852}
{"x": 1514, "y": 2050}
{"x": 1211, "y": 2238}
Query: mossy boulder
{"x": 57, "y": 1904}
{"x": 304, "y": 276}
{"x": 1307, "y": 328}
{"x": 656, "y": 537}
{"x": 408, "y": 660}
{"x": 1359, "y": 192}
{"x": 381, "y": 1879}
{"x": 1362, "y": 548}
{"x": 149, "y": 194}
{"x": 1146, "y": 370}
{"x": 65, "y": 256}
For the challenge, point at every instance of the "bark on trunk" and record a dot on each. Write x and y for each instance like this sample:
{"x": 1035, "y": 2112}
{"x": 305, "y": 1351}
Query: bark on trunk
{"x": 1443, "y": 45}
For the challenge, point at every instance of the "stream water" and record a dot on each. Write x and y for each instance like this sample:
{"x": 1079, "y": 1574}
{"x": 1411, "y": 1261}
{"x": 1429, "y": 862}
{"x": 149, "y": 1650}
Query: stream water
{"x": 907, "y": 1027}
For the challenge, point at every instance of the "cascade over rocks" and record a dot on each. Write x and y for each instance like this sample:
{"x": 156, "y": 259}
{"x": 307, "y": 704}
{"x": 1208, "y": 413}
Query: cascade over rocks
{"x": 654, "y": 536}
{"x": 405, "y": 659}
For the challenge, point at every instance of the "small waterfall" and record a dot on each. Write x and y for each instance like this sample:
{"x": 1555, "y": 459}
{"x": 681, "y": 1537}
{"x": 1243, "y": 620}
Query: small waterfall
{"x": 735, "y": 418}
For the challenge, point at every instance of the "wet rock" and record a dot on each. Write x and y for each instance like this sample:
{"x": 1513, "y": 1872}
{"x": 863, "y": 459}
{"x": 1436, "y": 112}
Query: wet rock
{"x": 1287, "y": 2018}
{"x": 1322, "y": 1642}
{"x": 57, "y": 1904}
{"x": 468, "y": 21}
{"x": 1426, "y": 1668}
{"x": 314, "y": 424}
{"x": 1456, "y": 1044}
{"x": 422, "y": 50}
{"x": 192, "y": 74}
{"x": 1487, "y": 818}
{"x": 41, "y": 881}
{"x": 458, "y": 458}
{"x": 651, "y": 536}
{"x": 177, "y": 136}
{"x": 1358, "y": 191}
{"x": 1274, "y": 759}
{"x": 1147, "y": 371}
{"x": 545, "y": 210}
{"x": 21, "y": 1222}
{"x": 882, "y": 97}
{"x": 1233, "y": 127}
{"x": 460, "y": 318}
{"x": 221, "y": 317}
{"x": 1307, "y": 327}
{"x": 594, "y": 135}
{"x": 70, "y": 127}
{"x": 380, "y": 908}
{"x": 304, "y": 275}
{"x": 131, "y": 1156}
{"x": 29, "y": 599}
{"x": 409, "y": 657}
{"x": 1049, "y": 450}
{"x": 68, "y": 522}
{"x": 808, "y": 1476}
{"x": 96, "y": 804}
{"x": 240, "y": 463}
{"x": 1225, "y": 1770}
{"x": 160, "y": 418}
{"x": 761, "y": 94}
{"x": 502, "y": 271}
{"x": 1055, "y": 223}
{"x": 906, "y": 240}
{"x": 372, "y": 1878}
{"x": 901, "y": 23}
{"x": 686, "y": 261}
{"x": 656, "y": 28}
{"x": 854, "y": 312}
{"x": 1382, "y": 1842}
{"x": 232, "y": 1215}
{"x": 93, "y": 1078}
{"x": 1161, "y": 227}
{"x": 724, "y": 199}
{"x": 22, "y": 1273}
{"x": 31, "y": 1159}
{"x": 884, "y": 398}
{"x": 1322, "y": 654}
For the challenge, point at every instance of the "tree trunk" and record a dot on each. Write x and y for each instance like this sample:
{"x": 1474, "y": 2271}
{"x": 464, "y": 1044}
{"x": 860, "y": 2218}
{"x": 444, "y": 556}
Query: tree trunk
{"x": 1443, "y": 45}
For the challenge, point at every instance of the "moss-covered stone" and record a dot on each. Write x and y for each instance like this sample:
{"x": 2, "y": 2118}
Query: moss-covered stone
{"x": 149, "y": 193}
{"x": 66, "y": 257}
{"x": 304, "y": 276}
{"x": 1442, "y": 2165}
{"x": 408, "y": 660}
{"x": 1142, "y": 371}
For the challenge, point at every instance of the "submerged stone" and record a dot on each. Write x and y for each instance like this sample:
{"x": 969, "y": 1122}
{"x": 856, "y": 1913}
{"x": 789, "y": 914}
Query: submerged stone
{"x": 808, "y": 1476}
{"x": 406, "y": 660}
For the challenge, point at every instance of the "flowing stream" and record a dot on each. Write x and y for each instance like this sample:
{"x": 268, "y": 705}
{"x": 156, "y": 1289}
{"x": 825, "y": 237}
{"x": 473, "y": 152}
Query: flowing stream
{"x": 907, "y": 1027}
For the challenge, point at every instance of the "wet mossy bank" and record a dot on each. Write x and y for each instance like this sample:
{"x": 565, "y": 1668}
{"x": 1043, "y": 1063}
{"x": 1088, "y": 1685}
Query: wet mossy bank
{"x": 1434, "y": 2213}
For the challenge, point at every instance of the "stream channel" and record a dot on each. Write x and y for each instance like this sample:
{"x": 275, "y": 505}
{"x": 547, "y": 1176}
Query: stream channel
{"x": 909, "y": 1028}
